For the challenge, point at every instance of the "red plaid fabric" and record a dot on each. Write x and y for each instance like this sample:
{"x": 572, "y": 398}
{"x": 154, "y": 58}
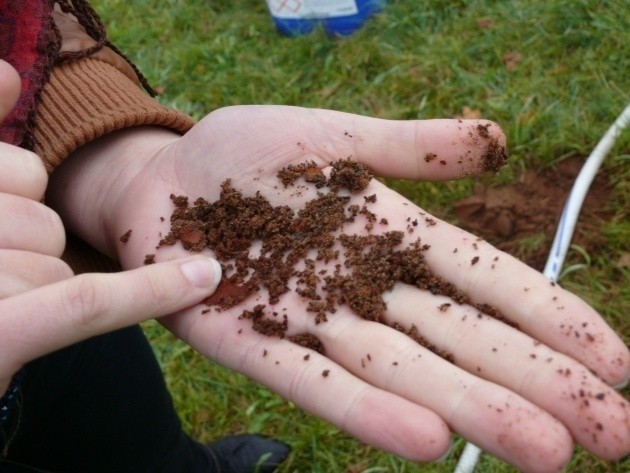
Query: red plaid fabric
{"x": 27, "y": 41}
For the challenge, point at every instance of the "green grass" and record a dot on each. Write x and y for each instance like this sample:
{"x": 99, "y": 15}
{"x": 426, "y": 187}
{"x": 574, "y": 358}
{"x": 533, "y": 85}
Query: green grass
{"x": 419, "y": 59}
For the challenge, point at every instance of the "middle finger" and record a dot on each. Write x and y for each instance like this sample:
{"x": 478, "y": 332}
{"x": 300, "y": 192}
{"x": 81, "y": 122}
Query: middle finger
{"x": 22, "y": 271}
{"x": 30, "y": 226}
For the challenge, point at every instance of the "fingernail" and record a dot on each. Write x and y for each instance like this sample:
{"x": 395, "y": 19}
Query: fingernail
{"x": 203, "y": 272}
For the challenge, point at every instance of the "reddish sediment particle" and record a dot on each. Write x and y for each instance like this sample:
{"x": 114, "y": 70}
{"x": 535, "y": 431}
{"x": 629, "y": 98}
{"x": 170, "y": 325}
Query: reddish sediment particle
{"x": 229, "y": 293}
{"x": 124, "y": 238}
{"x": 190, "y": 236}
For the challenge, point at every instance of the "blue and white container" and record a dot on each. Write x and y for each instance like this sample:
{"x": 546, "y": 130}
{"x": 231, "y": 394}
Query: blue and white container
{"x": 338, "y": 17}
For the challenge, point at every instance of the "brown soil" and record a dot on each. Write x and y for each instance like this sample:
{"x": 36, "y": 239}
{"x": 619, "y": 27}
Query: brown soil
{"x": 413, "y": 333}
{"x": 308, "y": 340}
{"x": 306, "y": 251}
{"x": 522, "y": 218}
{"x": 494, "y": 156}
{"x": 124, "y": 238}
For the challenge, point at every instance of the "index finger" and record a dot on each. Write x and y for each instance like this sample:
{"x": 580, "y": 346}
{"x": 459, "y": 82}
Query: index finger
{"x": 437, "y": 149}
{"x": 45, "y": 319}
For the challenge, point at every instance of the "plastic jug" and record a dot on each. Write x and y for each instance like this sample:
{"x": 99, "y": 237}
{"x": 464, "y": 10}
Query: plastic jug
{"x": 338, "y": 17}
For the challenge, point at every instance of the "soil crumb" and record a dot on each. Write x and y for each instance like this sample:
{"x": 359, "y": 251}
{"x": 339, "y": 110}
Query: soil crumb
{"x": 308, "y": 340}
{"x": 265, "y": 325}
{"x": 413, "y": 333}
{"x": 350, "y": 175}
{"x": 124, "y": 238}
{"x": 289, "y": 174}
{"x": 494, "y": 156}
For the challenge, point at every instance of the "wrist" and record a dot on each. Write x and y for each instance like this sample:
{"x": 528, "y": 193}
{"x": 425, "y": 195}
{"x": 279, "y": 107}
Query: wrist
{"x": 88, "y": 187}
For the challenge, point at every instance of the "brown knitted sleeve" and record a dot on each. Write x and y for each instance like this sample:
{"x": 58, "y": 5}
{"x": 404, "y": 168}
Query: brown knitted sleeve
{"x": 88, "y": 98}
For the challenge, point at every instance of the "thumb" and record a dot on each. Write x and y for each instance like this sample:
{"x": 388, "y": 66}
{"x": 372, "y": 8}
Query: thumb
{"x": 10, "y": 85}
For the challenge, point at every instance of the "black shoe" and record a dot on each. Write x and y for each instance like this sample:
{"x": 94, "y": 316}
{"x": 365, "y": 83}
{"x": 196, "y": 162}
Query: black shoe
{"x": 248, "y": 453}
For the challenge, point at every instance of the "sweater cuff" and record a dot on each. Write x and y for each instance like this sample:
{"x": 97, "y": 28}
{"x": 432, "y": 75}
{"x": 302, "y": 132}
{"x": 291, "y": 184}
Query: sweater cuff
{"x": 88, "y": 98}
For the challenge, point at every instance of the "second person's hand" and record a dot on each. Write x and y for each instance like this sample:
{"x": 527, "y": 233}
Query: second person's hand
{"x": 43, "y": 306}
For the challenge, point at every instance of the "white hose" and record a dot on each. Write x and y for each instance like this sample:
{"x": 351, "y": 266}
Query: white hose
{"x": 469, "y": 458}
{"x": 562, "y": 239}
{"x": 582, "y": 183}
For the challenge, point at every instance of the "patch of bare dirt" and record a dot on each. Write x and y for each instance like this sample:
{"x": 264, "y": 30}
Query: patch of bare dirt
{"x": 521, "y": 219}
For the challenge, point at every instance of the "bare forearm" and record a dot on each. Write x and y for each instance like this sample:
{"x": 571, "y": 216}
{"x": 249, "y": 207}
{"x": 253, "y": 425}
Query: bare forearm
{"x": 86, "y": 189}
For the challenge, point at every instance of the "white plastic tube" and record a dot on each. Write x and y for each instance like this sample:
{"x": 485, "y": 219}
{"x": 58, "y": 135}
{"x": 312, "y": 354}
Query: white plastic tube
{"x": 572, "y": 208}
{"x": 562, "y": 239}
{"x": 469, "y": 458}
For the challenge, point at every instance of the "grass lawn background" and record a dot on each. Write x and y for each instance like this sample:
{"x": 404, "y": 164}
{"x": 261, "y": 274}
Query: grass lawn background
{"x": 553, "y": 74}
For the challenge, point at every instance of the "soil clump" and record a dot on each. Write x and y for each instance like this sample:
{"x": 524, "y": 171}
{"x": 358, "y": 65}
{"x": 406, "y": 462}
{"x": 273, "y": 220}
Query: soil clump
{"x": 305, "y": 251}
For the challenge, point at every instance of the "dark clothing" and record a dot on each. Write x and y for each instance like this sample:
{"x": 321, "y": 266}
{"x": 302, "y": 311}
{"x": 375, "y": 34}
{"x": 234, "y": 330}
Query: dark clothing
{"x": 100, "y": 406}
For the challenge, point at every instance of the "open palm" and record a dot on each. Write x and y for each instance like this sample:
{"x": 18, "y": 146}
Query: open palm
{"x": 523, "y": 394}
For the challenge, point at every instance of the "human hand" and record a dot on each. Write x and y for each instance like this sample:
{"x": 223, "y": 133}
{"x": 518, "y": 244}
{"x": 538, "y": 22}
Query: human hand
{"x": 523, "y": 395}
{"x": 43, "y": 307}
